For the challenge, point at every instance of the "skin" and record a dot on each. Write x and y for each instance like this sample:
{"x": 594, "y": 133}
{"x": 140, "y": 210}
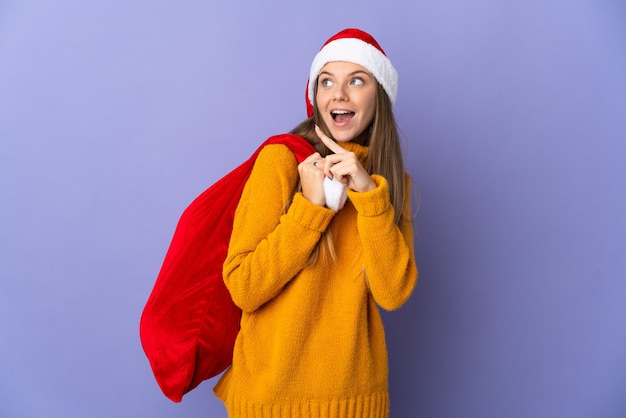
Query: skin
{"x": 347, "y": 87}
{"x": 342, "y": 86}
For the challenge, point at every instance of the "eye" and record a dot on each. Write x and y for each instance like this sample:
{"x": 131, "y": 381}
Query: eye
{"x": 357, "y": 81}
{"x": 326, "y": 82}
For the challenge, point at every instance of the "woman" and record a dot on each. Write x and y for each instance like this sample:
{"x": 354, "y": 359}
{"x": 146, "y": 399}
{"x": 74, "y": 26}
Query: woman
{"x": 309, "y": 279}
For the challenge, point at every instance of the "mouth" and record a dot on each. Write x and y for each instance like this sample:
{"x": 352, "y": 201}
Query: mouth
{"x": 341, "y": 115}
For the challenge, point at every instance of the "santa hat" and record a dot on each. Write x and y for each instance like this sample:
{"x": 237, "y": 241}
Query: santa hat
{"x": 357, "y": 47}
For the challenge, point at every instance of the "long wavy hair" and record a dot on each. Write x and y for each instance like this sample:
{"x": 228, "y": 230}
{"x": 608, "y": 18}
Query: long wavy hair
{"x": 384, "y": 155}
{"x": 384, "y": 158}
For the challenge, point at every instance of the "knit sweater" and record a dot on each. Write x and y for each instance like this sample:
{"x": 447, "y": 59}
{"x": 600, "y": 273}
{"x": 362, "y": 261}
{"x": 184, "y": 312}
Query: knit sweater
{"x": 312, "y": 342}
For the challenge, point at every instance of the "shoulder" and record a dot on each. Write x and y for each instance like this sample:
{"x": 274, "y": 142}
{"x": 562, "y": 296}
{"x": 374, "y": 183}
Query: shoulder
{"x": 274, "y": 163}
{"x": 276, "y": 157}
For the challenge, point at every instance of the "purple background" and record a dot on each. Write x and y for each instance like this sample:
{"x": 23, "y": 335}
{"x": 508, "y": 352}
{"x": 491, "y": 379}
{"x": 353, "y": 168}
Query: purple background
{"x": 114, "y": 115}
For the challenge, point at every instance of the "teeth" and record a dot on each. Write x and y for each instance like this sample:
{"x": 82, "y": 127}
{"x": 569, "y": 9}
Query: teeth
{"x": 336, "y": 113}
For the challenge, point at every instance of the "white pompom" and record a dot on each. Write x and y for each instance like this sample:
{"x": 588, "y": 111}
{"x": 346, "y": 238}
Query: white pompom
{"x": 336, "y": 194}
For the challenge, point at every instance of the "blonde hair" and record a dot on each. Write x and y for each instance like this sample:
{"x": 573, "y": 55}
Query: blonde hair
{"x": 384, "y": 158}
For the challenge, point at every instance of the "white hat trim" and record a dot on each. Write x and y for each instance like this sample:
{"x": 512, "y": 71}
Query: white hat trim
{"x": 358, "y": 52}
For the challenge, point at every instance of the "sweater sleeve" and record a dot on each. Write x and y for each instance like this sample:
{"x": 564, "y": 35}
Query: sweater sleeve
{"x": 387, "y": 249}
{"x": 269, "y": 246}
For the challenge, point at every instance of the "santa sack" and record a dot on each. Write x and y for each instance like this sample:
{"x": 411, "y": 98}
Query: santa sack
{"x": 189, "y": 324}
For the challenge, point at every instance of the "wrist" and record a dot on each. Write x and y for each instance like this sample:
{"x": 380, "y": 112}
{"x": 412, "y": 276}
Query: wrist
{"x": 367, "y": 187}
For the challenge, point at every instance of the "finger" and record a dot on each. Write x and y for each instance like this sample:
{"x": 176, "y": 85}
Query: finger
{"x": 337, "y": 169}
{"x": 327, "y": 166}
{"x": 346, "y": 162}
{"x": 332, "y": 145}
{"x": 330, "y": 161}
{"x": 318, "y": 161}
{"x": 313, "y": 166}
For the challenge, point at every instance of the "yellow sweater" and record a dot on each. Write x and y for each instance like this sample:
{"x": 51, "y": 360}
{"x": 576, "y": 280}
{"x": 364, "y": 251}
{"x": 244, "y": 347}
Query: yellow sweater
{"x": 312, "y": 342}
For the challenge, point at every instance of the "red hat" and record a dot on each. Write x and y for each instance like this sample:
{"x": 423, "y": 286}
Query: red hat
{"x": 357, "y": 47}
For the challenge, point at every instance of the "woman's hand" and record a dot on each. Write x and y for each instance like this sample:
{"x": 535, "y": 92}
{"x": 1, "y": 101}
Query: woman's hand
{"x": 312, "y": 179}
{"x": 344, "y": 166}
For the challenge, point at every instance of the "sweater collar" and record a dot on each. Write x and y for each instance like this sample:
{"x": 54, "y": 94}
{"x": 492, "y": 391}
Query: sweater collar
{"x": 359, "y": 150}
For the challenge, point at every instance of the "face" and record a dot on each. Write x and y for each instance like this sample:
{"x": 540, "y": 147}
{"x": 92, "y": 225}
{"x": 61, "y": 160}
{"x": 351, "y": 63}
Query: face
{"x": 346, "y": 99}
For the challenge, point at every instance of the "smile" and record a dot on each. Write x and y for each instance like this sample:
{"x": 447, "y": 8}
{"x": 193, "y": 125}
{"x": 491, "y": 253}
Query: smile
{"x": 341, "y": 115}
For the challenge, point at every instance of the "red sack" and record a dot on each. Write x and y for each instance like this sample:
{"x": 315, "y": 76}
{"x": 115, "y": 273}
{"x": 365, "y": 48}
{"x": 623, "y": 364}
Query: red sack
{"x": 189, "y": 324}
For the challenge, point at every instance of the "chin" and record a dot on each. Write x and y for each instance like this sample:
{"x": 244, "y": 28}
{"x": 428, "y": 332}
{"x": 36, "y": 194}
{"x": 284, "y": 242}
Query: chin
{"x": 342, "y": 135}
{"x": 345, "y": 136}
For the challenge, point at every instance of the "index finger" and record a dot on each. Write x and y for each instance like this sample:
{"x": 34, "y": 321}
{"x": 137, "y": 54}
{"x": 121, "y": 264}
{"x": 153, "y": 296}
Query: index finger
{"x": 332, "y": 145}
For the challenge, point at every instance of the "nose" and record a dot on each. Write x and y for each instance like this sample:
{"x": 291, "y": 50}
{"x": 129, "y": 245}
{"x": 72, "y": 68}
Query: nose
{"x": 340, "y": 92}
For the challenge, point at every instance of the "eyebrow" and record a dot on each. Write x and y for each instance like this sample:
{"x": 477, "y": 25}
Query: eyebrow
{"x": 351, "y": 74}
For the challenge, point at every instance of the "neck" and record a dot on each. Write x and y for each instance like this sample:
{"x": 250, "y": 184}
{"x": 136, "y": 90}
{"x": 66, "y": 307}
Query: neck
{"x": 363, "y": 138}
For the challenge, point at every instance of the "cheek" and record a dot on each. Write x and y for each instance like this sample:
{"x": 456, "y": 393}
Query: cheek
{"x": 369, "y": 105}
{"x": 321, "y": 96}
{"x": 369, "y": 113}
